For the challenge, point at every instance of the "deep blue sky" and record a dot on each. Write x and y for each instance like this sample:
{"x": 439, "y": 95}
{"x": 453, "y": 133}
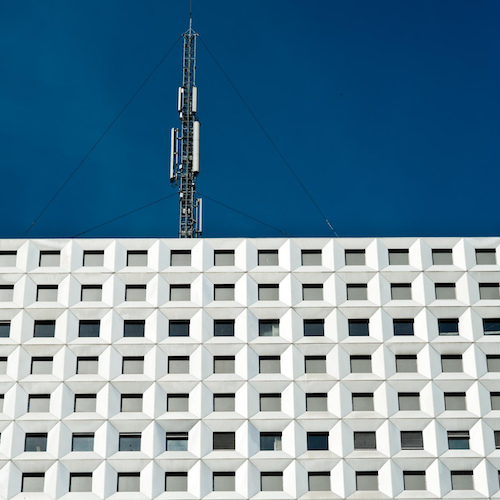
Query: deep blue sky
{"x": 387, "y": 110}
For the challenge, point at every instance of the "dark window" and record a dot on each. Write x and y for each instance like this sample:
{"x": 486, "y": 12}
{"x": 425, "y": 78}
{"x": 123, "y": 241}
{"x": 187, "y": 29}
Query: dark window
{"x": 406, "y": 363}
{"x": 83, "y": 442}
{"x": 359, "y": 328}
{"x": 224, "y": 328}
{"x": 137, "y": 258}
{"x": 180, "y": 258}
{"x": 270, "y": 402}
{"x": 89, "y": 328}
{"x": 357, "y": 292}
{"x": 270, "y": 441}
{"x": 317, "y": 440}
{"x": 361, "y": 364}
{"x": 268, "y": 257}
{"x": 412, "y": 440}
{"x": 451, "y": 363}
{"x": 80, "y": 482}
{"x": 458, "y": 440}
{"x": 314, "y": 327}
{"x": 311, "y": 257}
{"x": 93, "y": 258}
{"x": 398, "y": 257}
{"x": 133, "y": 328}
{"x": 402, "y": 326}
{"x": 486, "y": 257}
{"x": 491, "y": 326}
{"x": 268, "y": 292}
{"x": 44, "y": 328}
{"x": 365, "y": 441}
{"x": 224, "y": 402}
{"x": 442, "y": 257}
{"x": 4, "y": 329}
{"x": 315, "y": 364}
{"x": 87, "y": 365}
{"x": 269, "y": 327}
{"x": 448, "y": 326}
{"x": 178, "y": 328}
{"x": 129, "y": 442}
{"x": 224, "y": 258}
{"x": 35, "y": 442}
{"x": 354, "y": 257}
{"x": 223, "y": 440}
{"x": 177, "y": 441}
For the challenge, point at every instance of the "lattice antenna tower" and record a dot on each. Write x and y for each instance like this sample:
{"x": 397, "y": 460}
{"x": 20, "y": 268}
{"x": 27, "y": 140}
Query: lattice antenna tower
{"x": 185, "y": 143}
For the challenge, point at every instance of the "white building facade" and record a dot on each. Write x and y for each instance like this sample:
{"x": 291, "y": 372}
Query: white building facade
{"x": 302, "y": 368}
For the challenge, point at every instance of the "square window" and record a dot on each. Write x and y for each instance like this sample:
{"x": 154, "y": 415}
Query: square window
{"x": 319, "y": 481}
{"x": 270, "y": 441}
{"x": 493, "y": 363}
{"x": 271, "y": 481}
{"x": 223, "y": 292}
{"x": 316, "y": 402}
{"x": 3, "y": 365}
{"x": 448, "y": 326}
{"x": 491, "y": 326}
{"x": 82, "y": 442}
{"x": 129, "y": 442}
{"x": 46, "y": 293}
{"x": 269, "y": 364}
{"x": 365, "y": 441}
{"x": 462, "y": 480}
{"x": 180, "y": 258}
{"x": 357, "y": 292}
{"x": 398, "y": 257}
{"x": 223, "y": 440}
{"x": 409, "y": 401}
{"x": 91, "y": 293}
{"x": 412, "y": 440}
{"x": 315, "y": 364}
{"x": 495, "y": 400}
{"x": 180, "y": 292}
{"x": 93, "y": 258}
{"x": 224, "y": 364}
{"x": 50, "y": 258}
{"x": 44, "y": 328}
{"x": 131, "y": 402}
{"x": 312, "y": 292}
{"x": 178, "y": 364}
{"x": 270, "y": 402}
{"x": 366, "y": 481}
{"x": 406, "y": 363}
{"x": 497, "y": 440}
{"x": 268, "y": 257}
{"x": 224, "y": 328}
{"x": 269, "y": 327}
{"x": 35, "y": 442}
{"x": 39, "y": 403}
{"x": 135, "y": 293}
{"x": 223, "y": 481}
{"x": 317, "y": 440}
{"x": 85, "y": 402}
{"x": 176, "y": 481}
{"x": 87, "y": 365}
{"x": 177, "y": 441}
{"x": 442, "y": 257}
{"x": 89, "y": 328}
{"x": 402, "y": 326}
{"x": 486, "y": 257}
{"x": 133, "y": 365}
{"x": 454, "y": 401}
{"x": 178, "y": 402}
{"x": 41, "y": 366}
{"x": 445, "y": 291}
{"x": 133, "y": 328}
{"x": 354, "y": 257}
{"x": 311, "y": 257}
{"x": 361, "y": 364}
{"x": 129, "y": 481}
{"x": 224, "y": 258}
{"x": 178, "y": 328}
{"x": 4, "y": 329}
{"x": 451, "y": 363}
{"x": 7, "y": 293}
{"x": 314, "y": 327}
{"x": 458, "y": 440}
{"x": 224, "y": 402}
{"x": 414, "y": 480}
{"x": 137, "y": 258}
{"x": 362, "y": 401}
{"x": 8, "y": 258}
{"x": 269, "y": 292}
{"x": 32, "y": 483}
{"x": 80, "y": 482}
{"x": 359, "y": 327}
{"x": 489, "y": 291}
{"x": 401, "y": 291}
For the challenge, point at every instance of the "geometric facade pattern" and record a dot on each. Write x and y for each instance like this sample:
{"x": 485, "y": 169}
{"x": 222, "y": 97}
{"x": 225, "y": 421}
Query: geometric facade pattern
{"x": 301, "y": 368}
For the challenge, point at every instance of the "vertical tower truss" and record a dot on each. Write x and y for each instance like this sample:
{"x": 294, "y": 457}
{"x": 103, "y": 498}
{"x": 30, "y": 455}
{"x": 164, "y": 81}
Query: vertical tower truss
{"x": 185, "y": 147}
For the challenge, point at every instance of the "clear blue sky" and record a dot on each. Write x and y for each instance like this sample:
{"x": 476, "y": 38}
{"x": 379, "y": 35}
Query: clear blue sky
{"x": 388, "y": 111}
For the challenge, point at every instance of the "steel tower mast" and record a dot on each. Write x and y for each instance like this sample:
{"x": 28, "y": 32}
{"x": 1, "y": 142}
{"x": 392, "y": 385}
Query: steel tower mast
{"x": 185, "y": 147}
